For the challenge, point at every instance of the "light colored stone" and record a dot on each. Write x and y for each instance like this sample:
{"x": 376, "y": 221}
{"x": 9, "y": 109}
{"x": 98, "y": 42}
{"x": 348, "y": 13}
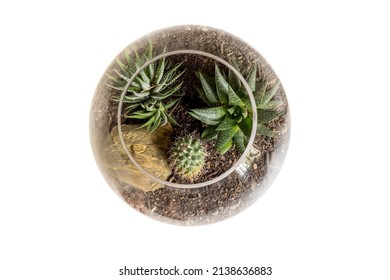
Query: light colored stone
{"x": 149, "y": 150}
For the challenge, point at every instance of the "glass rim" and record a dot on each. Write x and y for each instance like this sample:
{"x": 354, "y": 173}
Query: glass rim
{"x": 243, "y": 156}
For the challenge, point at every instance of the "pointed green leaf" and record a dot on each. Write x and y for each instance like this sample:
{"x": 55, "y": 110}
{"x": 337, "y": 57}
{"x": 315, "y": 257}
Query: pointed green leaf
{"x": 127, "y": 56}
{"x": 244, "y": 112}
{"x": 171, "y": 103}
{"x": 120, "y": 88}
{"x": 132, "y": 98}
{"x": 239, "y": 140}
{"x": 127, "y": 101}
{"x": 148, "y": 106}
{"x": 225, "y": 136}
{"x": 157, "y": 114}
{"x": 176, "y": 77}
{"x": 247, "y": 102}
{"x": 231, "y": 110}
{"x": 171, "y": 75}
{"x": 269, "y": 94}
{"x": 227, "y": 123}
{"x": 141, "y": 116}
{"x": 148, "y": 123}
{"x": 234, "y": 81}
{"x": 264, "y": 116}
{"x": 209, "y": 133}
{"x": 165, "y": 48}
{"x": 258, "y": 94}
{"x": 121, "y": 75}
{"x": 119, "y": 84}
{"x": 170, "y": 91}
{"x": 241, "y": 92}
{"x": 143, "y": 112}
{"x": 203, "y": 119}
{"x": 234, "y": 100}
{"x": 141, "y": 94}
{"x": 145, "y": 77}
{"x": 122, "y": 65}
{"x": 158, "y": 88}
{"x": 168, "y": 78}
{"x": 149, "y": 51}
{"x": 144, "y": 86}
{"x": 160, "y": 96}
{"x": 211, "y": 116}
{"x": 235, "y": 65}
{"x": 113, "y": 79}
{"x": 133, "y": 89}
{"x": 172, "y": 120}
{"x": 251, "y": 79}
{"x": 271, "y": 105}
{"x": 210, "y": 80}
{"x": 225, "y": 147}
{"x": 209, "y": 90}
{"x": 203, "y": 96}
{"x": 164, "y": 118}
{"x": 129, "y": 108}
{"x": 151, "y": 68}
{"x": 155, "y": 125}
{"x": 246, "y": 126}
{"x": 221, "y": 85}
{"x": 263, "y": 130}
{"x": 138, "y": 61}
{"x": 160, "y": 71}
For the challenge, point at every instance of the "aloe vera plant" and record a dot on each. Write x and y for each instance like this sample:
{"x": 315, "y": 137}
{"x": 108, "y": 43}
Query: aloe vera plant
{"x": 149, "y": 96}
{"x": 229, "y": 113}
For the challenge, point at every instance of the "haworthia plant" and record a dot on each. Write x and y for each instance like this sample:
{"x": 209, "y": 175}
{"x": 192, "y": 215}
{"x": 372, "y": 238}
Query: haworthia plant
{"x": 149, "y": 96}
{"x": 228, "y": 116}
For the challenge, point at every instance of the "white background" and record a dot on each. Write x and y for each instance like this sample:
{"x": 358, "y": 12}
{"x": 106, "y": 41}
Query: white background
{"x": 325, "y": 217}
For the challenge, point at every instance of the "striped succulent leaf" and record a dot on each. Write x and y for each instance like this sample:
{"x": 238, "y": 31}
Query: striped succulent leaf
{"x": 226, "y": 111}
{"x": 151, "y": 94}
{"x": 228, "y": 116}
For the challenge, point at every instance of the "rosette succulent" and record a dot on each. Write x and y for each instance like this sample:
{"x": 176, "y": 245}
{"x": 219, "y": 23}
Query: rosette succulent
{"x": 149, "y": 96}
{"x": 228, "y": 116}
{"x": 229, "y": 113}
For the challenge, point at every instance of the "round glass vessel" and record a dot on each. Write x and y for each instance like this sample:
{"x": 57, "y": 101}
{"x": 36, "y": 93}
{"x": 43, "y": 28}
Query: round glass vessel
{"x": 189, "y": 125}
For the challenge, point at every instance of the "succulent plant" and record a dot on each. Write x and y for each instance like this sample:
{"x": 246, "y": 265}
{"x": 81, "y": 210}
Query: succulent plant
{"x": 228, "y": 117}
{"x": 188, "y": 156}
{"x": 149, "y": 96}
{"x": 263, "y": 91}
{"x": 267, "y": 108}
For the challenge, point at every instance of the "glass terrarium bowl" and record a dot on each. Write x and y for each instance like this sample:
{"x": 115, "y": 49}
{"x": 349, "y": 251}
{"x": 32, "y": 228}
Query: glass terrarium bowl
{"x": 189, "y": 125}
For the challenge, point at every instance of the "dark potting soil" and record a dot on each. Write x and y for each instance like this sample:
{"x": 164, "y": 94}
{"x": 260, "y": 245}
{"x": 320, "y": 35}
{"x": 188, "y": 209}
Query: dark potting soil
{"x": 218, "y": 201}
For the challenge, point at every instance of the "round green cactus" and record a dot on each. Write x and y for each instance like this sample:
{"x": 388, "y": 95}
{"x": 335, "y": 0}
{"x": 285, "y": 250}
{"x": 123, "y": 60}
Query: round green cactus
{"x": 188, "y": 157}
